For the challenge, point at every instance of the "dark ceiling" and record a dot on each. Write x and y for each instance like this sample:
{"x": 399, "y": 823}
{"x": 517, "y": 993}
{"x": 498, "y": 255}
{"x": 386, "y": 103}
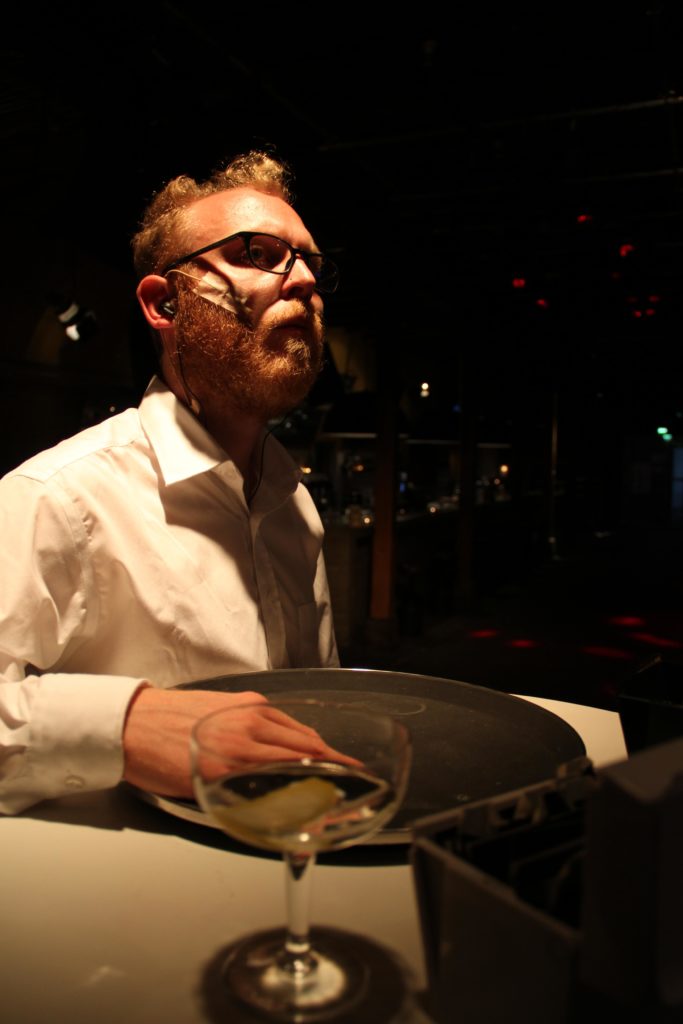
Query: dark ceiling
{"x": 438, "y": 164}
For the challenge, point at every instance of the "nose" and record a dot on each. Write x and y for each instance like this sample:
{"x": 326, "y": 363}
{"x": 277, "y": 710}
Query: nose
{"x": 299, "y": 282}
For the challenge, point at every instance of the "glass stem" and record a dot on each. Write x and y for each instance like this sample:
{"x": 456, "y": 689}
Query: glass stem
{"x": 296, "y": 958}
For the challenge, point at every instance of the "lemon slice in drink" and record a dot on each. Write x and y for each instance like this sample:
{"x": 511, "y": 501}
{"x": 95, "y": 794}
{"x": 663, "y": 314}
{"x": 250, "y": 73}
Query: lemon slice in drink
{"x": 284, "y": 810}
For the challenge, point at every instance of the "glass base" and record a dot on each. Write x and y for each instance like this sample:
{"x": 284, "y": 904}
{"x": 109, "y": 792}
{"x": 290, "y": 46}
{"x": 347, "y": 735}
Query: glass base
{"x": 331, "y": 983}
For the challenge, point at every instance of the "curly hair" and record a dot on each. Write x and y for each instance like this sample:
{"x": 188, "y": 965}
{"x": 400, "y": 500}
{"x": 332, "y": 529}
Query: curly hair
{"x": 160, "y": 237}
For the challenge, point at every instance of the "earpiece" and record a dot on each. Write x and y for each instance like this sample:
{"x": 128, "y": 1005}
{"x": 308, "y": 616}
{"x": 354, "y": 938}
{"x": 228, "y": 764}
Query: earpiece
{"x": 168, "y": 308}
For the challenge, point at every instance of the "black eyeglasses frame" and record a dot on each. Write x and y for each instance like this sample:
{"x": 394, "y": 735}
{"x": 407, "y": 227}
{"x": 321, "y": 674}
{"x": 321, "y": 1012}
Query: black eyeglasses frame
{"x": 246, "y": 237}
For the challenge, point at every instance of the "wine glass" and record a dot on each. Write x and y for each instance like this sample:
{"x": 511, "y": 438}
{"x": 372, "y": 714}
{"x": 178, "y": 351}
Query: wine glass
{"x": 299, "y": 776}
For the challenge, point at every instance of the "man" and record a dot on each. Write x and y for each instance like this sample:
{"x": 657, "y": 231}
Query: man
{"x": 174, "y": 541}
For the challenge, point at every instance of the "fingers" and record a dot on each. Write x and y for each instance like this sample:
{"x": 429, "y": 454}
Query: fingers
{"x": 270, "y": 728}
{"x": 317, "y": 748}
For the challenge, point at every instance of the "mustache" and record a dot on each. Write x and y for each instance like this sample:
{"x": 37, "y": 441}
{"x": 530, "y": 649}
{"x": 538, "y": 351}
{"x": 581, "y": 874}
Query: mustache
{"x": 297, "y": 312}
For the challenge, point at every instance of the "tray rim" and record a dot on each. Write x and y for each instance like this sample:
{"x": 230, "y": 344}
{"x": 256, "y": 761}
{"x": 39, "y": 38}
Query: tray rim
{"x": 189, "y": 811}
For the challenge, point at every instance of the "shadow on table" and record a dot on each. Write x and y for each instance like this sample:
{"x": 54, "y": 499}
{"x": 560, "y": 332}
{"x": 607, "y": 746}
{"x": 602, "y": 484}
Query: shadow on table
{"x": 120, "y": 808}
{"x": 390, "y": 997}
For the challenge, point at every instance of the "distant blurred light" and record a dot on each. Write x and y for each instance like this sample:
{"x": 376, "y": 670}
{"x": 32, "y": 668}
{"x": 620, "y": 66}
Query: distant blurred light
{"x": 503, "y": 470}
{"x": 523, "y": 643}
{"x": 637, "y": 314}
{"x": 584, "y": 218}
{"x": 662, "y": 430}
{"x": 542, "y": 303}
{"x": 626, "y": 620}
{"x": 656, "y": 641}
{"x": 654, "y": 298}
{"x": 519, "y": 282}
{"x": 483, "y": 634}
{"x": 79, "y": 323}
{"x": 667, "y": 437}
{"x": 626, "y": 249}
{"x": 649, "y": 311}
{"x": 306, "y": 470}
{"x": 424, "y": 389}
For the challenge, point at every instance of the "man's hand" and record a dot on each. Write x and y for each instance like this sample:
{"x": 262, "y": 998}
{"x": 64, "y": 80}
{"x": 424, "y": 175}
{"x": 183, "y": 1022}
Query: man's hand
{"x": 156, "y": 736}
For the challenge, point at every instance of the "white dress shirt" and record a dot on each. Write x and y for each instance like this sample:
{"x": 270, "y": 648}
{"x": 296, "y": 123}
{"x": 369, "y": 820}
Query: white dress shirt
{"x": 130, "y": 554}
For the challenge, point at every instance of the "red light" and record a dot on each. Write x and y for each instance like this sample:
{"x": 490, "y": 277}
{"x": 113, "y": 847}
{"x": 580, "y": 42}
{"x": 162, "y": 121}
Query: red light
{"x": 614, "y": 653}
{"x": 542, "y": 303}
{"x": 637, "y": 313}
{"x": 626, "y": 620}
{"x": 523, "y": 643}
{"x": 654, "y": 298}
{"x": 649, "y": 312}
{"x": 615, "y": 275}
{"x": 519, "y": 282}
{"x": 584, "y": 218}
{"x": 632, "y": 299}
{"x": 656, "y": 641}
{"x": 625, "y": 250}
{"x": 483, "y": 634}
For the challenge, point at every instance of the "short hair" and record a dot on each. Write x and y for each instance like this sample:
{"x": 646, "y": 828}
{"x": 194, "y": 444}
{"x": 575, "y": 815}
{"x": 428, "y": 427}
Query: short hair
{"x": 157, "y": 242}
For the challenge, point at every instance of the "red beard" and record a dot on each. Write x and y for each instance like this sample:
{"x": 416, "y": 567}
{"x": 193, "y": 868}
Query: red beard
{"x": 262, "y": 372}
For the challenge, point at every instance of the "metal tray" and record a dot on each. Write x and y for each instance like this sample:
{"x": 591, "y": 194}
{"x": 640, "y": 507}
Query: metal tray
{"x": 469, "y": 742}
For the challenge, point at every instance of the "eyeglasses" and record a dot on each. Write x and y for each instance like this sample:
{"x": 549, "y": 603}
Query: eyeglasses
{"x": 272, "y": 254}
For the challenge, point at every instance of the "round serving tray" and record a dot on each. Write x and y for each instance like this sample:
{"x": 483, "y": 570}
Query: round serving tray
{"x": 469, "y": 742}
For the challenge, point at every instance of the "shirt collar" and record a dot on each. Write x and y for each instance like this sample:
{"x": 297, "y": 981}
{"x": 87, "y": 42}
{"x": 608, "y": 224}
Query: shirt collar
{"x": 181, "y": 444}
{"x": 185, "y": 449}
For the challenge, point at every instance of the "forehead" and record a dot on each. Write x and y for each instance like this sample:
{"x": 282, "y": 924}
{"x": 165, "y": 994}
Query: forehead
{"x": 242, "y": 209}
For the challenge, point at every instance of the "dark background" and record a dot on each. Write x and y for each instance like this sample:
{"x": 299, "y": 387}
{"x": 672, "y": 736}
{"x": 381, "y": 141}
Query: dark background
{"x": 437, "y": 164}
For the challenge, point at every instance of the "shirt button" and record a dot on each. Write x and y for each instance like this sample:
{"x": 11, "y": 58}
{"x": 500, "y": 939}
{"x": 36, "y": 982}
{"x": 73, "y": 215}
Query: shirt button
{"x": 75, "y": 782}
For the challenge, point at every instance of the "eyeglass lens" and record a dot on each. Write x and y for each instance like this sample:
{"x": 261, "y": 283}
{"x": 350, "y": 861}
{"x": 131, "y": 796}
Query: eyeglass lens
{"x": 275, "y": 256}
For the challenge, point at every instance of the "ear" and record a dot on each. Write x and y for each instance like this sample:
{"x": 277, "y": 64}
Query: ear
{"x": 155, "y": 297}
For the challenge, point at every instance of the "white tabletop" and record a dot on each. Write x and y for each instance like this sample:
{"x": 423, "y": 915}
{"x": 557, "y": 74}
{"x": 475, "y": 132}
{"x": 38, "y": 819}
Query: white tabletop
{"x": 113, "y": 911}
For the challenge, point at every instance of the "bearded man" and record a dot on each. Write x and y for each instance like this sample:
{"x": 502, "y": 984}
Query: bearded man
{"x": 174, "y": 541}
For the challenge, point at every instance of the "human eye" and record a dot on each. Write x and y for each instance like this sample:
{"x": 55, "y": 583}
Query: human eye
{"x": 268, "y": 252}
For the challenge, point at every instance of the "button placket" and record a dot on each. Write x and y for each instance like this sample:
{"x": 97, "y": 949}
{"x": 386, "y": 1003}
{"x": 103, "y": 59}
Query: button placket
{"x": 269, "y": 597}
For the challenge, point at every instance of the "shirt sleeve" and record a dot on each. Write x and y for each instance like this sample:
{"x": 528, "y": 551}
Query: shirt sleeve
{"x": 59, "y": 732}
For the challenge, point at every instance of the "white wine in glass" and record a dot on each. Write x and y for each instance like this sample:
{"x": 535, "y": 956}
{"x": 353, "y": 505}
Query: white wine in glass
{"x": 313, "y": 776}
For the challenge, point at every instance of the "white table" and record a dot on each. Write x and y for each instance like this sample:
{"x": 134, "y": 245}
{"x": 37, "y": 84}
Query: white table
{"x": 111, "y": 912}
